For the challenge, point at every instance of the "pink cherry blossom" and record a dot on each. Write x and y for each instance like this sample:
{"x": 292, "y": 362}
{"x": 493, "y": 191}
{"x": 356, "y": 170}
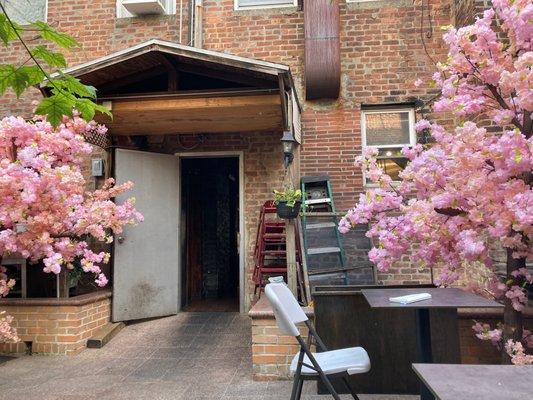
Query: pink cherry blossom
{"x": 471, "y": 188}
{"x": 45, "y": 213}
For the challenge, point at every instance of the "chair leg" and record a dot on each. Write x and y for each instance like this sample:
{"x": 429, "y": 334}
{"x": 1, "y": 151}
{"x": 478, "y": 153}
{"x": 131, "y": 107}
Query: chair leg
{"x": 317, "y": 367}
{"x": 328, "y": 384}
{"x": 299, "y": 391}
{"x": 297, "y": 383}
{"x": 350, "y": 388}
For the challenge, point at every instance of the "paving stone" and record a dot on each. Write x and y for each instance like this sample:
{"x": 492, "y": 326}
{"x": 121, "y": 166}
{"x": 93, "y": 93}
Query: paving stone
{"x": 190, "y": 356}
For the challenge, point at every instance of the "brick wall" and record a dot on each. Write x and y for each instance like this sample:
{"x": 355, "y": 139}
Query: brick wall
{"x": 56, "y": 326}
{"x": 475, "y": 351}
{"x": 383, "y": 51}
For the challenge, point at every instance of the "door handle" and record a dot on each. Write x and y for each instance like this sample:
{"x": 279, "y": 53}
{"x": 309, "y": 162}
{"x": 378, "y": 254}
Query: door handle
{"x": 121, "y": 239}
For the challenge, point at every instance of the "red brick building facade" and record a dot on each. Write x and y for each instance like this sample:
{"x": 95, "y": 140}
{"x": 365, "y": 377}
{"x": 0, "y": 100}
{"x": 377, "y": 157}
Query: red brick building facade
{"x": 384, "y": 47}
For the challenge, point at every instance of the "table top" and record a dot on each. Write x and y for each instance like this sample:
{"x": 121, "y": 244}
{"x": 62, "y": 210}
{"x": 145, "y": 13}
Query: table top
{"x": 440, "y": 298}
{"x": 467, "y": 382}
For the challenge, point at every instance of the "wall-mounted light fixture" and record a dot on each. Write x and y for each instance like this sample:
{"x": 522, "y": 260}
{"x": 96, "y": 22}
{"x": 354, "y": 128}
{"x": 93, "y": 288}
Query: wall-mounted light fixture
{"x": 288, "y": 143}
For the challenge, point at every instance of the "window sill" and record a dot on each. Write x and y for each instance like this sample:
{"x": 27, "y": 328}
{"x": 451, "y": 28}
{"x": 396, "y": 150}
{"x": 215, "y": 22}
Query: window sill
{"x": 282, "y": 10}
{"x": 364, "y": 5}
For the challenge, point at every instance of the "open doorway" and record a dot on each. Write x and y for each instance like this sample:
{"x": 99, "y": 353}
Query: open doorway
{"x": 210, "y": 234}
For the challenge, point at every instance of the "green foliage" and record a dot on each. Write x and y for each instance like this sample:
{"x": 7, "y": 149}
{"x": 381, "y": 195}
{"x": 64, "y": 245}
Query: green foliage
{"x": 51, "y": 35}
{"x": 51, "y": 58}
{"x": 54, "y": 107}
{"x": 8, "y": 32}
{"x": 289, "y": 196}
{"x": 65, "y": 92}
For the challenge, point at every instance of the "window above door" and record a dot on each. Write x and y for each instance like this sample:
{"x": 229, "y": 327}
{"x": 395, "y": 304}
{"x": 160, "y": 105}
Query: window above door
{"x": 389, "y": 130}
{"x": 251, "y": 4}
{"x": 25, "y": 12}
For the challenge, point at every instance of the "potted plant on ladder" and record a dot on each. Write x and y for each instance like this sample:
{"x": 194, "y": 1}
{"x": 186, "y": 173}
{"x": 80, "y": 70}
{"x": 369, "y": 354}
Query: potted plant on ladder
{"x": 288, "y": 202}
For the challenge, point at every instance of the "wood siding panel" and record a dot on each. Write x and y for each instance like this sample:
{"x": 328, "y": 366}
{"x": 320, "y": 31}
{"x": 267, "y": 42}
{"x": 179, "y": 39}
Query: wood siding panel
{"x": 322, "y": 49}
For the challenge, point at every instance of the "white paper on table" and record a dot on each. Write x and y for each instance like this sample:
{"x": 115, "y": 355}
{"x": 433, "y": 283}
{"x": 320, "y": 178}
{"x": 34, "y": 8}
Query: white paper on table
{"x": 410, "y": 298}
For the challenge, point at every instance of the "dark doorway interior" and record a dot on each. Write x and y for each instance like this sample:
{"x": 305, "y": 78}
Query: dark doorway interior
{"x": 210, "y": 225}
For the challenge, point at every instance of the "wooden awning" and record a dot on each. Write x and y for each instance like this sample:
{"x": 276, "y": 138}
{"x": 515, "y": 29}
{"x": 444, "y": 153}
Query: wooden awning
{"x": 158, "y": 88}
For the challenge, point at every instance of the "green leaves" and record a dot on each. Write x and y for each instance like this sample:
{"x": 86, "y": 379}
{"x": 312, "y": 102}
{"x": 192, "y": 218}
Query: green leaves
{"x": 72, "y": 85}
{"x": 19, "y": 79}
{"x": 49, "y": 34}
{"x": 66, "y": 92}
{"x": 54, "y": 107}
{"x": 7, "y": 31}
{"x": 51, "y": 58}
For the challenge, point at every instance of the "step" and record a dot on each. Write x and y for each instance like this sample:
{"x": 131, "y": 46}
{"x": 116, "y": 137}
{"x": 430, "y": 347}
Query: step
{"x": 325, "y": 200}
{"x": 335, "y": 269}
{"x": 104, "y": 334}
{"x": 314, "y": 179}
{"x": 321, "y": 225}
{"x": 331, "y": 270}
{"x": 274, "y": 235}
{"x": 274, "y": 252}
{"x": 323, "y": 250}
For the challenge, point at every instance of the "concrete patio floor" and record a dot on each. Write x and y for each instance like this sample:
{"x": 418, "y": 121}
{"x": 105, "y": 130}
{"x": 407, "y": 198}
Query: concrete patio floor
{"x": 190, "y": 356}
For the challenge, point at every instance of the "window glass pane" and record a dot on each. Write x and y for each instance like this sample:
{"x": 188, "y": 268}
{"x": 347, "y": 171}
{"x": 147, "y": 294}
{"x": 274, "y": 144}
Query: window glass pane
{"x": 387, "y": 128}
{"x": 392, "y": 161}
{"x": 25, "y": 11}
{"x": 254, "y": 3}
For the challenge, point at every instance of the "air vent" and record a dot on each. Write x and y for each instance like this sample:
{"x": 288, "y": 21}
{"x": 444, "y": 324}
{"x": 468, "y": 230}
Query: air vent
{"x": 143, "y": 7}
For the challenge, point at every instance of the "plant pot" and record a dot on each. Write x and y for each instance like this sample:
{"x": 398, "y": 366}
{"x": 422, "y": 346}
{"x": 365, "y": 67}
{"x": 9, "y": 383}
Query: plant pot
{"x": 286, "y": 212}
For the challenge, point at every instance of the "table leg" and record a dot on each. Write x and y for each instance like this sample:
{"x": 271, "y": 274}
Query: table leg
{"x": 423, "y": 344}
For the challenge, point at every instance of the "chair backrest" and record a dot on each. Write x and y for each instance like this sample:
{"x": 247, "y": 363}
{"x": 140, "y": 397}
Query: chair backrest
{"x": 286, "y": 309}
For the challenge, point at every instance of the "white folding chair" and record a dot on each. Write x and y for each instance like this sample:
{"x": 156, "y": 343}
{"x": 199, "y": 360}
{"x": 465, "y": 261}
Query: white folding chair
{"x": 306, "y": 365}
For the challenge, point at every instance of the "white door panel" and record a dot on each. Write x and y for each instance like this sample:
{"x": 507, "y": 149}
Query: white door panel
{"x": 145, "y": 279}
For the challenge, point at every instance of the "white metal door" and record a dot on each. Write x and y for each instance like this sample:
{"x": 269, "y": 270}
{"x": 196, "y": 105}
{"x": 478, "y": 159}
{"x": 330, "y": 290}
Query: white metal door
{"x": 145, "y": 279}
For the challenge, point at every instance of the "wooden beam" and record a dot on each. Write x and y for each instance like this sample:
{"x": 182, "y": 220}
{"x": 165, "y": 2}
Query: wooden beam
{"x": 131, "y": 78}
{"x": 227, "y": 76}
{"x": 290, "y": 245}
{"x": 194, "y": 115}
{"x": 171, "y": 72}
{"x": 201, "y": 103}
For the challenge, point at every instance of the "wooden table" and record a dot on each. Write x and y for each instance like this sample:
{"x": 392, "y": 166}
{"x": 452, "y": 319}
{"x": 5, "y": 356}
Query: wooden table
{"x": 467, "y": 382}
{"x": 441, "y": 299}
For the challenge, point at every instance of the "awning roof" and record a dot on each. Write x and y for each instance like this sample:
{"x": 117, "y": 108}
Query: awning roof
{"x": 208, "y": 56}
{"x": 138, "y": 75}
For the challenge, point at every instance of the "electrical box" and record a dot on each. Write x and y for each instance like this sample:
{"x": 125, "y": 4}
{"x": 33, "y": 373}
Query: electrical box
{"x": 97, "y": 167}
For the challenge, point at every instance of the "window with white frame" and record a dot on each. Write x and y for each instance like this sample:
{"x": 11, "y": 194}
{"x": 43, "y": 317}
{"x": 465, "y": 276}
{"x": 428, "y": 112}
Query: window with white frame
{"x": 246, "y": 4}
{"x": 389, "y": 130}
{"x": 25, "y": 12}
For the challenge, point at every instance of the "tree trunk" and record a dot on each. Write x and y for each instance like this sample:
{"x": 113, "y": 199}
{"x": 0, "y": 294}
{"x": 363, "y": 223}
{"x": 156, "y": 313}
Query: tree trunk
{"x": 512, "y": 319}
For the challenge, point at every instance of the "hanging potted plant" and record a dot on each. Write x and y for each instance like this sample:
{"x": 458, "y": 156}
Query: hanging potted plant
{"x": 288, "y": 203}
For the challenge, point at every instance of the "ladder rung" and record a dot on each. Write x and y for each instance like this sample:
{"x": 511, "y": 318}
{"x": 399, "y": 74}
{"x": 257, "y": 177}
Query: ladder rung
{"x": 274, "y": 235}
{"x": 322, "y": 214}
{"x": 335, "y": 270}
{"x": 328, "y": 271}
{"x": 325, "y": 200}
{"x": 323, "y": 250}
{"x": 321, "y": 225}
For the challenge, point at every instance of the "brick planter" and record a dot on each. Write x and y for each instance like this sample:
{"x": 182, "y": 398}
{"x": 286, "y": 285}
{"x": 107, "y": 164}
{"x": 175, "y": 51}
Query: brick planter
{"x": 56, "y": 326}
{"x": 272, "y": 352}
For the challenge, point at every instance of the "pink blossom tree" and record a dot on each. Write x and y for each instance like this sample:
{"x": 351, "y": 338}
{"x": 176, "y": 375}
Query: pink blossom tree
{"x": 45, "y": 213}
{"x": 469, "y": 189}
